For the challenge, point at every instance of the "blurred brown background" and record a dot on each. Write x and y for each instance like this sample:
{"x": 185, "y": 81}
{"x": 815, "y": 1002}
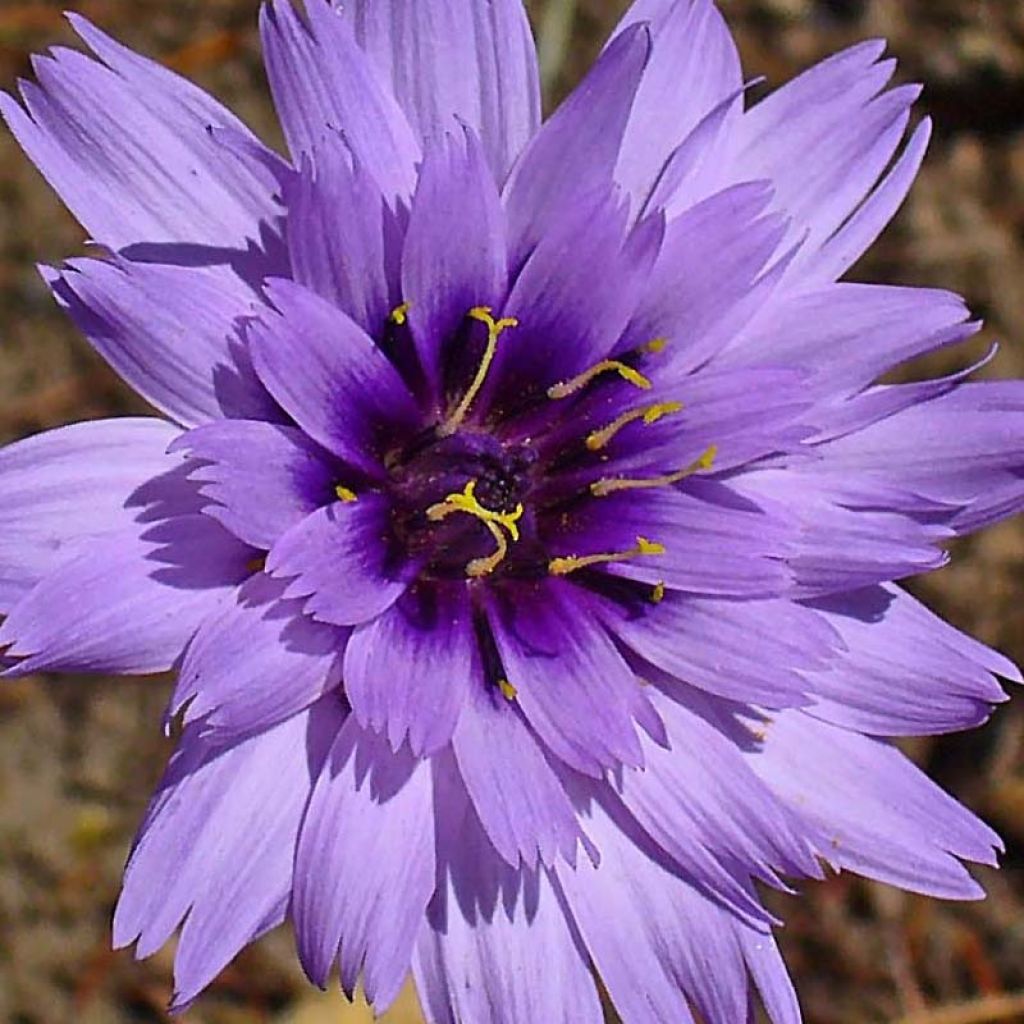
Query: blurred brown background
{"x": 78, "y": 757}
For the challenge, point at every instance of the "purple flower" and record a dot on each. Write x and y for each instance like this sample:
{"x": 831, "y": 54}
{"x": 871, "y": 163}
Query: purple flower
{"x": 524, "y": 514}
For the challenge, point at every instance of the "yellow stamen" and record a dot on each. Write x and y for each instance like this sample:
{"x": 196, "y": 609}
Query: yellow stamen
{"x": 655, "y": 346}
{"x": 495, "y": 328}
{"x": 609, "y": 485}
{"x": 658, "y": 594}
{"x": 346, "y": 494}
{"x": 624, "y": 370}
{"x": 508, "y": 691}
{"x": 485, "y": 566}
{"x": 649, "y": 414}
{"x": 400, "y": 314}
{"x": 467, "y": 502}
{"x": 573, "y": 563}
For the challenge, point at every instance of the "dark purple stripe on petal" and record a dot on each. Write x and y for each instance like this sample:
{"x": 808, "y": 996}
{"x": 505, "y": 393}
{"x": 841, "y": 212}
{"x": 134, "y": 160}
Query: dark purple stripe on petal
{"x": 330, "y": 377}
{"x": 455, "y": 255}
{"x": 409, "y": 672}
{"x": 340, "y": 560}
{"x": 575, "y": 689}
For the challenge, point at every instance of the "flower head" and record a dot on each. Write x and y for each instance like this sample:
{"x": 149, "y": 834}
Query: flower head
{"x": 524, "y": 514}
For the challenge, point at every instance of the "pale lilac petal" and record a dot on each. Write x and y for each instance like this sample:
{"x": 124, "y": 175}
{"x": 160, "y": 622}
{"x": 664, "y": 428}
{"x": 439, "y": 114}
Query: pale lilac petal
{"x": 516, "y": 794}
{"x": 342, "y": 236}
{"x": 323, "y": 82}
{"x": 962, "y": 448}
{"x": 329, "y": 375}
{"x": 264, "y": 478}
{"x": 881, "y": 815}
{"x": 841, "y": 540}
{"x": 338, "y": 558}
{"x": 717, "y": 877}
{"x": 660, "y": 945}
{"x": 693, "y": 171}
{"x": 693, "y": 67}
{"x": 217, "y": 845}
{"x": 711, "y": 257}
{"x": 128, "y": 603}
{"x": 65, "y": 488}
{"x": 170, "y": 332}
{"x": 882, "y": 401}
{"x": 847, "y": 167}
{"x": 255, "y": 662}
{"x": 847, "y": 335}
{"x": 905, "y": 671}
{"x": 698, "y": 784}
{"x": 364, "y": 867}
{"x": 127, "y": 147}
{"x": 497, "y": 945}
{"x": 854, "y": 238}
{"x": 408, "y": 672}
{"x": 749, "y": 651}
{"x": 835, "y": 111}
{"x": 459, "y": 59}
{"x": 574, "y": 154}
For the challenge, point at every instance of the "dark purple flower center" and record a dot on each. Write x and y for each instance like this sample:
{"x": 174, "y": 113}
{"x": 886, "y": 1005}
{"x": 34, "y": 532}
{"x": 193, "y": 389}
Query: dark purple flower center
{"x": 482, "y": 495}
{"x": 434, "y": 467}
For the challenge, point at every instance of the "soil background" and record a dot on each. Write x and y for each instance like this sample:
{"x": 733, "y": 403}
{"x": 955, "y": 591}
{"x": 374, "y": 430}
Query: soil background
{"x": 78, "y": 757}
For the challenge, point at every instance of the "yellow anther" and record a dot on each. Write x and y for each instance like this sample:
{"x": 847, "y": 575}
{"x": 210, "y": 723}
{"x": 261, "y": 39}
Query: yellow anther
{"x": 658, "y": 593}
{"x": 578, "y": 383}
{"x": 495, "y": 328}
{"x": 653, "y": 413}
{"x": 400, "y": 314}
{"x": 346, "y": 494}
{"x": 649, "y": 414}
{"x": 508, "y": 691}
{"x": 649, "y": 547}
{"x": 655, "y": 346}
{"x": 609, "y": 485}
{"x": 573, "y": 563}
{"x": 486, "y": 316}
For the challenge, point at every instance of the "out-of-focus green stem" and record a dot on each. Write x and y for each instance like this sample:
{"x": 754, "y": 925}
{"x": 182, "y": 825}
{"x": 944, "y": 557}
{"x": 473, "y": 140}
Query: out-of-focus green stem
{"x": 555, "y": 30}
